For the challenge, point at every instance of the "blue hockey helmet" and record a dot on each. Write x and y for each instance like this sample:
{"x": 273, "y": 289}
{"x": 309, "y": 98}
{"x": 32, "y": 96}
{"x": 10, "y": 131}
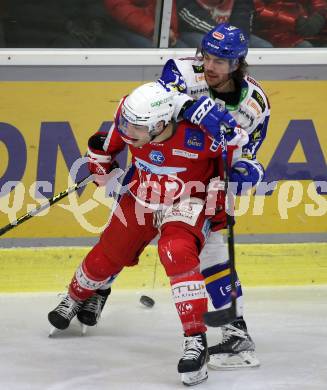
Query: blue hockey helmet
{"x": 225, "y": 41}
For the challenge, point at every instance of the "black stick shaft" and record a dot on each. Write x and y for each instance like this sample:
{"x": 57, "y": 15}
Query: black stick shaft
{"x": 230, "y": 235}
{"x": 225, "y": 316}
{"x": 43, "y": 206}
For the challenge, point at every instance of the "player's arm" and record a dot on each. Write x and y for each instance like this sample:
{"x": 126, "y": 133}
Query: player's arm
{"x": 209, "y": 115}
{"x": 172, "y": 80}
{"x": 247, "y": 169}
{"x": 203, "y": 112}
{"x": 102, "y": 149}
{"x": 194, "y": 16}
{"x": 242, "y": 15}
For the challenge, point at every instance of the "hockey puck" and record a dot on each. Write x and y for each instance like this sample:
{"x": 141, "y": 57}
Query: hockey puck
{"x": 147, "y": 301}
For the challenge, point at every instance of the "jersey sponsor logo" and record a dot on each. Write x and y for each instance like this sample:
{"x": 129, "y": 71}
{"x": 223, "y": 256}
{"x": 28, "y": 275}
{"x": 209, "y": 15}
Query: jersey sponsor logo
{"x": 187, "y": 212}
{"x": 247, "y": 154}
{"x": 252, "y": 81}
{"x": 184, "y": 308}
{"x": 247, "y": 116}
{"x": 184, "y": 153}
{"x": 218, "y": 35}
{"x": 254, "y": 105}
{"x": 198, "y": 68}
{"x": 155, "y": 189}
{"x": 188, "y": 291}
{"x": 256, "y": 135}
{"x": 194, "y": 139}
{"x": 259, "y": 99}
{"x": 199, "y": 78}
{"x": 198, "y": 91}
{"x": 157, "y": 157}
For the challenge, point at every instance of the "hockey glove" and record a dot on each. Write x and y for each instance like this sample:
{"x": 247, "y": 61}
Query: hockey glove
{"x": 99, "y": 161}
{"x": 245, "y": 171}
{"x": 209, "y": 116}
{"x": 311, "y": 25}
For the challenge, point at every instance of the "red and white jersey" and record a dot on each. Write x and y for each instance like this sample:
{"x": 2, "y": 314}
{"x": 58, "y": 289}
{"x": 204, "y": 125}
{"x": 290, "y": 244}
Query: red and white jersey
{"x": 179, "y": 166}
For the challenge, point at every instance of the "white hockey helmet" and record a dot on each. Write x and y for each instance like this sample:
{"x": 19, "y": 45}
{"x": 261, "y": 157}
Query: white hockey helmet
{"x": 148, "y": 105}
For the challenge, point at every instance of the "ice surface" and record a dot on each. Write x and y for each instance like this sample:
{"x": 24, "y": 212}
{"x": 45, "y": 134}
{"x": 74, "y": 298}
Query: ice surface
{"x": 134, "y": 347}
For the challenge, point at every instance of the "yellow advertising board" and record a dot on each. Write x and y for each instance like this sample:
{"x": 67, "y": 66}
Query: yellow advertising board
{"x": 45, "y": 127}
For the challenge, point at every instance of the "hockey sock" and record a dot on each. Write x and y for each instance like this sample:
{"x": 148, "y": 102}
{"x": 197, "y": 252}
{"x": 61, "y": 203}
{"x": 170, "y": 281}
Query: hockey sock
{"x": 83, "y": 284}
{"x": 190, "y": 300}
{"x": 217, "y": 280}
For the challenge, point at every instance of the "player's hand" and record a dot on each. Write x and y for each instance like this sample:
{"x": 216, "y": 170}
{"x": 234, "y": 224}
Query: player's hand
{"x": 99, "y": 163}
{"x": 206, "y": 113}
{"x": 245, "y": 171}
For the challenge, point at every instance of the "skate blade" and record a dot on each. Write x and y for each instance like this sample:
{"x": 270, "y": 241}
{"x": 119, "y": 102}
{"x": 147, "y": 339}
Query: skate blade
{"x": 83, "y": 329}
{"x": 225, "y": 361}
{"x": 195, "y": 377}
{"x": 52, "y": 331}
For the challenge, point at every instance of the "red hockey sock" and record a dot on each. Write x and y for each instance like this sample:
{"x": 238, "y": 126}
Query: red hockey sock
{"x": 83, "y": 284}
{"x": 190, "y": 298}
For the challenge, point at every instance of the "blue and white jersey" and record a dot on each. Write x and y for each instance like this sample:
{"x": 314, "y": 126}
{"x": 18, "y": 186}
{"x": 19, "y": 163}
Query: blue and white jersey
{"x": 251, "y": 113}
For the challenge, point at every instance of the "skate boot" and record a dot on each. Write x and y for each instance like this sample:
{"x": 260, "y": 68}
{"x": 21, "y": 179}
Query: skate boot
{"x": 92, "y": 308}
{"x": 236, "y": 349}
{"x": 61, "y": 316}
{"x": 193, "y": 364}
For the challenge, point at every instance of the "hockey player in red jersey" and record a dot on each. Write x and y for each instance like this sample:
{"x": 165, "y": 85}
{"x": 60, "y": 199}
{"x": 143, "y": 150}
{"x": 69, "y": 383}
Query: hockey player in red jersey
{"x": 219, "y": 71}
{"x": 174, "y": 164}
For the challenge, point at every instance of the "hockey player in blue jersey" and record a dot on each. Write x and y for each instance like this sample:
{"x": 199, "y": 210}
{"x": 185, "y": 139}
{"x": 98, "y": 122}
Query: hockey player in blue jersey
{"x": 219, "y": 73}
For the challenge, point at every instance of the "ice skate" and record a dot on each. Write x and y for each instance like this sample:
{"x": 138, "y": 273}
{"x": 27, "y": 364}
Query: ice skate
{"x": 236, "y": 350}
{"x": 61, "y": 316}
{"x": 90, "y": 312}
{"x": 193, "y": 364}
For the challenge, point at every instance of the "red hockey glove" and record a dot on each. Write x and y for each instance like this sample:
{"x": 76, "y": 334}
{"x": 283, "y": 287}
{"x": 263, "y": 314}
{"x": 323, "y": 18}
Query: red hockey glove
{"x": 218, "y": 221}
{"x": 100, "y": 163}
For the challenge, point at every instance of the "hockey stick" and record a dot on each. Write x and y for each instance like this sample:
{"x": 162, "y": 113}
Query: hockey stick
{"x": 225, "y": 316}
{"x": 44, "y": 206}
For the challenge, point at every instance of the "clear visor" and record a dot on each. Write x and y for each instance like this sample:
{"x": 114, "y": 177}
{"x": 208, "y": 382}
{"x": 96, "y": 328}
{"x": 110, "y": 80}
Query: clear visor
{"x": 131, "y": 131}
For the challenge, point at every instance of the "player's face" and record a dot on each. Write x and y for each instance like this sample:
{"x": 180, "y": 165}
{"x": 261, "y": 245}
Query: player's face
{"x": 216, "y": 70}
{"x": 134, "y": 135}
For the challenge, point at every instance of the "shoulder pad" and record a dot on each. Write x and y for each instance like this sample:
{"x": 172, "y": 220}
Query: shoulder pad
{"x": 171, "y": 77}
{"x": 256, "y": 94}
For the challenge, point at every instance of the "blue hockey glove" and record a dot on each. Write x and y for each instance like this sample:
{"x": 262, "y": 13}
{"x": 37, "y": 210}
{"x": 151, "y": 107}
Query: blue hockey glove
{"x": 246, "y": 171}
{"x": 208, "y": 115}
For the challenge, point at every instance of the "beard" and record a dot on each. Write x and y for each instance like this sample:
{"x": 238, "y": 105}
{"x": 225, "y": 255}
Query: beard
{"x": 215, "y": 82}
